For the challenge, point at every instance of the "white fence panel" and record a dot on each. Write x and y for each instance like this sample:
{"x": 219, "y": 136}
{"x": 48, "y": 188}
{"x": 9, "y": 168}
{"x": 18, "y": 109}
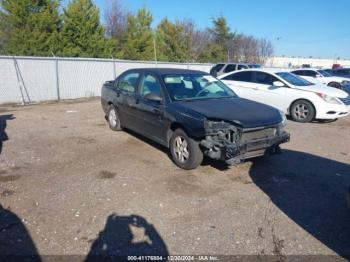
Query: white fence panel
{"x": 83, "y": 78}
{"x": 36, "y": 79}
{"x": 9, "y": 86}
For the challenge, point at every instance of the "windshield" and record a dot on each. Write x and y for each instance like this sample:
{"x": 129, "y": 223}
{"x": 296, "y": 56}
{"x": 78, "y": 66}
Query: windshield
{"x": 255, "y": 66}
{"x": 190, "y": 87}
{"x": 293, "y": 79}
{"x": 324, "y": 73}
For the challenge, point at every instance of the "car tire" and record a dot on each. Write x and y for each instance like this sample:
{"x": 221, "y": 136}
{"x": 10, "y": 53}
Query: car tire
{"x": 185, "y": 151}
{"x": 302, "y": 111}
{"x": 335, "y": 85}
{"x": 113, "y": 118}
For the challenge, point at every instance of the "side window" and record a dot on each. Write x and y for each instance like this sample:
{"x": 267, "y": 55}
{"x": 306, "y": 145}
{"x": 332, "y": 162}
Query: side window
{"x": 129, "y": 82}
{"x": 149, "y": 85}
{"x": 265, "y": 79}
{"x": 219, "y": 67}
{"x": 240, "y": 67}
{"x": 230, "y": 68}
{"x": 310, "y": 73}
{"x": 298, "y": 72}
{"x": 241, "y": 76}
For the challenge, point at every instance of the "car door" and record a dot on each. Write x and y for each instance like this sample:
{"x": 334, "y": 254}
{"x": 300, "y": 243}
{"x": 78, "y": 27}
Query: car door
{"x": 150, "y": 113}
{"x": 266, "y": 92}
{"x": 127, "y": 85}
{"x": 241, "y": 84}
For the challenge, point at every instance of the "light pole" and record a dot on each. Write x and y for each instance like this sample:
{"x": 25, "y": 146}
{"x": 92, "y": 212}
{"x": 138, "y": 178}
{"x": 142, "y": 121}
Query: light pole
{"x": 155, "y": 49}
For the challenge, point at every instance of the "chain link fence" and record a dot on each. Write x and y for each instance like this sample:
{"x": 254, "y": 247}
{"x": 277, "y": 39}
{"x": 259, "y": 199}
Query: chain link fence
{"x": 35, "y": 79}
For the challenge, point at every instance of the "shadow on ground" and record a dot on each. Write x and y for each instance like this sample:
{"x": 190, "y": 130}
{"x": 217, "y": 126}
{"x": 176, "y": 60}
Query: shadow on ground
{"x": 16, "y": 243}
{"x": 311, "y": 191}
{"x": 127, "y": 236}
{"x": 3, "y": 124}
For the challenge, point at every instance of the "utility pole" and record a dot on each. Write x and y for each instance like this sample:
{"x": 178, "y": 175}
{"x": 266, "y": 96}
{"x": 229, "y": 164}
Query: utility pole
{"x": 155, "y": 50}
{"x": 57, "y": 77}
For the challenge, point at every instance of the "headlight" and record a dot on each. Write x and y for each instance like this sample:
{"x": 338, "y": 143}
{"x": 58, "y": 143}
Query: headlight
{"x": 329, "y": 99}
{"x": 222, "y": 130}
{"x": 284, "y": 118}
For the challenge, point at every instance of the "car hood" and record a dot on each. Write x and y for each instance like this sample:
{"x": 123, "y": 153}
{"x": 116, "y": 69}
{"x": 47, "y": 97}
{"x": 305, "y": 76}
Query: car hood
{"x": 244, "y": 112}
{"x": 327, "y": 90}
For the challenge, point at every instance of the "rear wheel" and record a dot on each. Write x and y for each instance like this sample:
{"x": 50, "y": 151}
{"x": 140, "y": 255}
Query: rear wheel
{"x": 113, "y": 118}
{"x": 185, "y": 151}
{"x": 302, "y": 111}
{"x": 335, "y": 85}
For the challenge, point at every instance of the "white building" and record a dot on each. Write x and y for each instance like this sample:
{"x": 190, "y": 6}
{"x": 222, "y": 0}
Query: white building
{"x": 293, "y": 62}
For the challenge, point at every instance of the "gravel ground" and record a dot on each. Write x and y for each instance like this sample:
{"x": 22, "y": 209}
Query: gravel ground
{"x": 71, "y": 186}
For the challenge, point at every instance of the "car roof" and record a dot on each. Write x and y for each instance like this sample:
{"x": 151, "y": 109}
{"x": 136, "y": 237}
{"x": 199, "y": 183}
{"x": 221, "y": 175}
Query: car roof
{"x": 168, "y": 71}
{"x": 264, "y": 69}
{"x": 271, "y": 70}
{"x": 309, "y": 68}
{"x": 236, "y": 63}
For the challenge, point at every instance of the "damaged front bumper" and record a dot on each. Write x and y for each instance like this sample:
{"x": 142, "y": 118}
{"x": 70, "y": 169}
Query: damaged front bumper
{"x": 233, "y": 145}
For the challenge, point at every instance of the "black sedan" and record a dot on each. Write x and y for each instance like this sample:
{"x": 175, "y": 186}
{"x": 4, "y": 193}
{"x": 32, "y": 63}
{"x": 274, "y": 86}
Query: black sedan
{"x": 193, "y": 114}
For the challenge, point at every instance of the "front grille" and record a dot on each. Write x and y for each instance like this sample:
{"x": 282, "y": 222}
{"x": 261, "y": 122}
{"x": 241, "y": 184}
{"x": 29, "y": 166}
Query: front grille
{"x": 250, "y": 136}
{"x": 346, "y": 100}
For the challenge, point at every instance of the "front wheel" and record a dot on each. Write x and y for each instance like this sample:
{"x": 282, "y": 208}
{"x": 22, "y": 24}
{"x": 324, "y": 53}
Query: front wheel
{"x": 302, "y": 111}
{"x": 335, "y": 85}
{"x": 185, "y": 151}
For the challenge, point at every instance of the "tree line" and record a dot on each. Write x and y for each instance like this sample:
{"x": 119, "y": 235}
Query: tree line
{"x": 45, "y": 28}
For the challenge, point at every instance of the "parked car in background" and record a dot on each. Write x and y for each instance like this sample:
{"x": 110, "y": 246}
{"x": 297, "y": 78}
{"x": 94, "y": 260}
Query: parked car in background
{"x": 319, "y": 76}
{"x": 295, "y": 96}
{"x": 193, "y": 114}
{"x": 341, "y": 72}
{"x": 328, "y": 70}
{"x": 224, "y": 68}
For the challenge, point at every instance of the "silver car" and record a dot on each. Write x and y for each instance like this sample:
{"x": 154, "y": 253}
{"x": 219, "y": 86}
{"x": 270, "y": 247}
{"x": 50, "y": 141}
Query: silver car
{"x": 223, "y": 68}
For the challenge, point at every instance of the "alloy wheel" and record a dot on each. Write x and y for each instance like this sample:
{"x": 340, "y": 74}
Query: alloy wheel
{"x": 112, "y": 118}
{"x": 181, "y": 149}
{"x": 301, "y": 111}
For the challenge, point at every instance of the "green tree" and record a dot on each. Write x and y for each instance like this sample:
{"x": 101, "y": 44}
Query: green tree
{"x": 212, "y": 53}
{"x": 82, "y": 34}
{"x": 29, "y": 27}
{"x": 222, "y": 37}
{"x": 172, "y": 42}
{"x": 138, "y": 42}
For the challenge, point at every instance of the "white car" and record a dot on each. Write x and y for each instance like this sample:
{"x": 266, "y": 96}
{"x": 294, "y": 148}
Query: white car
{"x": 319, "y": 76}
{"x": 295, "y": 96}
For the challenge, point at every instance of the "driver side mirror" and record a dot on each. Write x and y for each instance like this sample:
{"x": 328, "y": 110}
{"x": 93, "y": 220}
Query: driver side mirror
{"x": 317, "y": 76}
{"x": 278, "y": 84}
{"x": 153, "y": 97}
